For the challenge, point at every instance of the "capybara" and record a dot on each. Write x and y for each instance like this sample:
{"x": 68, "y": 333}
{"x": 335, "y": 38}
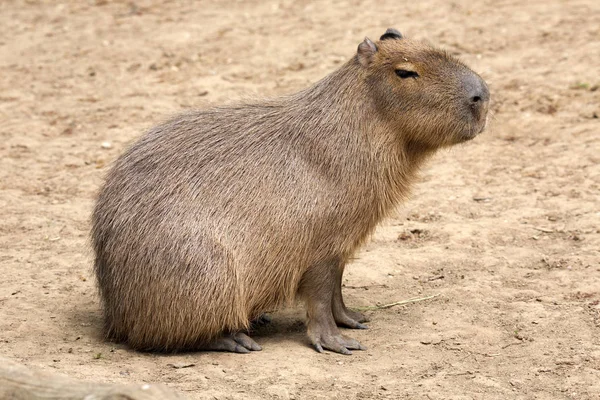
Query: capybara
{"x": 219, "y": 215}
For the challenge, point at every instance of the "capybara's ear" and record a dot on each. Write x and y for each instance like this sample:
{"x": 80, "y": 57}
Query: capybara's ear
{"x": 391, "y": 33}
{"x": 366, "y": 51}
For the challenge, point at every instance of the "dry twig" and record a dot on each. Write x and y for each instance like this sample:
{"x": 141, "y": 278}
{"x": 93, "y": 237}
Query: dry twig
{"x": 397, "y": 303}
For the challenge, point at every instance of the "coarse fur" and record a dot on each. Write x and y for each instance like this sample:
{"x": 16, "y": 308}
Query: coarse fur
{"x": 219, "y": 215}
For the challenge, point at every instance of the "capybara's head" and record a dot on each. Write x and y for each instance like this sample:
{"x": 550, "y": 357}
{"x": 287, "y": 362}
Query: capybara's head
{"x": 432, "y": 98}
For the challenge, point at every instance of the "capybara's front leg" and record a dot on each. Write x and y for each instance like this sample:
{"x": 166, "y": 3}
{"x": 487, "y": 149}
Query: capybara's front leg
{"x": 343, "y": 315}
{"x": 317, "y": 287}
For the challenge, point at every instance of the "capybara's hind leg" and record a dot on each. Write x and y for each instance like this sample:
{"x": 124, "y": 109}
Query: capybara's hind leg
{"x": 317, "y": 288}
{"x": 235, "y": 343}
{"x": 343, "y": 315}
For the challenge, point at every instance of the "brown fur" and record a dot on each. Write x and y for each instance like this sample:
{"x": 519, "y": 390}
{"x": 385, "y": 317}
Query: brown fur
{"x": 219, "y": 215}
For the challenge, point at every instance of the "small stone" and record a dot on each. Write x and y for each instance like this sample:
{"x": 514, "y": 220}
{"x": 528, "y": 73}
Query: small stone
{"x": 181, "y": 365}
{"x": 106, "y": 145}
{"x": 482, "y": 199}
{"x": 564, "y": 362}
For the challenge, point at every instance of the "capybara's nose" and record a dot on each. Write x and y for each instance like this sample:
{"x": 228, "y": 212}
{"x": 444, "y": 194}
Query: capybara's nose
{"x": 478, "y": 94}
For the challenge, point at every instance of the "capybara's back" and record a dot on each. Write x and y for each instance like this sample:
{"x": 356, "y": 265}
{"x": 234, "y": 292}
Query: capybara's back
{"x": 217, "y": 216}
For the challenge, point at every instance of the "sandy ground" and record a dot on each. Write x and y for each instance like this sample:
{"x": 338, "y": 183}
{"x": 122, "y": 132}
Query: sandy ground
{"x": 505, "y": 229}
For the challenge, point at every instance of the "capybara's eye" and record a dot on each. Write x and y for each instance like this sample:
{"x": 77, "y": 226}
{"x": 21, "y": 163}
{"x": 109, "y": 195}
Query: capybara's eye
{"x": 403, "y": 73}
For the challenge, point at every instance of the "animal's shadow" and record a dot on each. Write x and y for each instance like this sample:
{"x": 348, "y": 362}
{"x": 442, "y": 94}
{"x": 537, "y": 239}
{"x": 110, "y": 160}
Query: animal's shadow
{"x": 285, "y": 328}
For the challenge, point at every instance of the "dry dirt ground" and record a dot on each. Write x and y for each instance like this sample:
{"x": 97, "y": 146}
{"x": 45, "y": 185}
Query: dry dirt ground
{"x": 504, "y": 230}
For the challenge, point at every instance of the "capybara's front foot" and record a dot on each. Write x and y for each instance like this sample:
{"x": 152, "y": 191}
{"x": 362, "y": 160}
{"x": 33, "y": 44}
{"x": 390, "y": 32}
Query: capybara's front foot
{"x": 324, "y": 335}
{"x": 343, "y": 315}
{"x": 357, "y": 316}
{"x": 235, "y": 343}
{"x": 348, "y": 318}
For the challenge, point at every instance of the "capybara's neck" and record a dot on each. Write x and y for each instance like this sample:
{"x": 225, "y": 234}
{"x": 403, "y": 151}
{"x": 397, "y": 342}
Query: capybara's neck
{"x": 344, "y": 132}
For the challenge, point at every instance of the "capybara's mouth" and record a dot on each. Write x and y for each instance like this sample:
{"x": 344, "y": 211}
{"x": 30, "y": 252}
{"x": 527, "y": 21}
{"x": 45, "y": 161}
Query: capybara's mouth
{"x": 483, "y": 125}
{"x": 473, "y": 131}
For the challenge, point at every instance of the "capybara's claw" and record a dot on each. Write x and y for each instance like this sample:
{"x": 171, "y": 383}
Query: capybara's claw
{"x": 349, "y": 318}
{"x": 331, "y": 345}
{"x": 346, "y": 321}
{"x": 319, "y": 348}
{"x": 335, "y": 342}
{"x": 357, "y": 316}
{"x": 234, "y": 343}
{"x": 352, "y": 343}
{"x": 263, "y": 319}
{"x": 246, "y": 341}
